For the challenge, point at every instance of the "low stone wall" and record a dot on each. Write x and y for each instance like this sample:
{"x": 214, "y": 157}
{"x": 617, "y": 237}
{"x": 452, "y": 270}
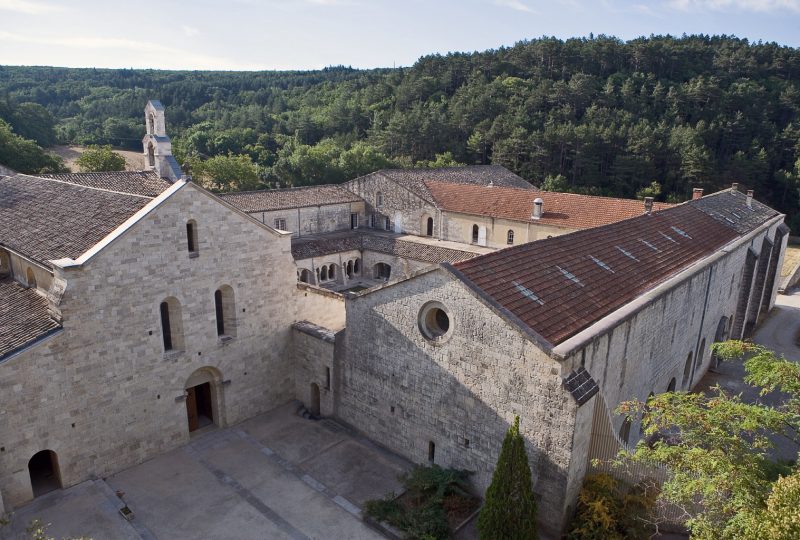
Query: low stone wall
{"x": 320, "y": 306}
{"x": 313, "y": 353}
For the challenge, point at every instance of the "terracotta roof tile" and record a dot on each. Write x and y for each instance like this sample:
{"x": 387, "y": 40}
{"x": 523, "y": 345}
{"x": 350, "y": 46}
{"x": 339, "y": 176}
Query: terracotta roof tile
{"x": 23, "y": 317}
{"x": 299, "y": 197}
{"x": 146, "y": 183}
{"x": 47, "y": 219}
{"x": 568, "y": 210}
{"x": 560, "y": 286}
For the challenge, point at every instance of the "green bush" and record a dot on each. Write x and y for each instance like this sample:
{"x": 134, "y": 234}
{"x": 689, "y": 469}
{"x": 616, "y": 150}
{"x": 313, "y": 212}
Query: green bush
{"x": 422, "y": 512}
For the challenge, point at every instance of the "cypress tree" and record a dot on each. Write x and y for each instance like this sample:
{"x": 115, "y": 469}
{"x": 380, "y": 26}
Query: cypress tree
{"x": 509, "y": 512}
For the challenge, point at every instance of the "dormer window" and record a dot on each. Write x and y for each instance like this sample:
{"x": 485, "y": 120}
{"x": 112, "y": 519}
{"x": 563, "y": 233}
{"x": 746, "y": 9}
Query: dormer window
{"x": 191, "y": 238}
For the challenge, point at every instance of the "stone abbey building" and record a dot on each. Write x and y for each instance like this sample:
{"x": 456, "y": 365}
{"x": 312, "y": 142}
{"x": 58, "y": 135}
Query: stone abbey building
{"x": 423, "y": 308}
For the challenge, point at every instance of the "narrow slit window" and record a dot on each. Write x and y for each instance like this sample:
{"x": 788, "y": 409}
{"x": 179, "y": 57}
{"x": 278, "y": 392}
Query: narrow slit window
{"x": 166, "y": 330}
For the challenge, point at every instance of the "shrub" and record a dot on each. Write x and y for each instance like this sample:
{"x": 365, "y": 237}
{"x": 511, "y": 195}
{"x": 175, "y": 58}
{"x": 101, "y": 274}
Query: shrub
{"x": 610, "y": 510}
{"x": 510, "y": 509}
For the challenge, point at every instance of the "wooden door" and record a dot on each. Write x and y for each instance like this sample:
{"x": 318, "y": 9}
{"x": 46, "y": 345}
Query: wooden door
{"x": 191, "y": 408}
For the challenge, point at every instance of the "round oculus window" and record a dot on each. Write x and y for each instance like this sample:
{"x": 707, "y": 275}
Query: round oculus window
{"x": 434, "y": 321}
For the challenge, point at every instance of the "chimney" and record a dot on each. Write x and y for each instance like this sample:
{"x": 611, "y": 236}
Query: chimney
{"x": 697, "y": 193}
{"x": 648, "y": 205}
{"x": 538, "y": 208}
{"x": 749, "y": 198}
{"x": 735, "y": 187}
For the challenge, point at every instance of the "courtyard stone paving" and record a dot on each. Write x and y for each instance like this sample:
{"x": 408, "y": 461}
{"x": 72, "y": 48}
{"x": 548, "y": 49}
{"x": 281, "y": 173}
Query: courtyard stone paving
{"x": 274, "y": 476}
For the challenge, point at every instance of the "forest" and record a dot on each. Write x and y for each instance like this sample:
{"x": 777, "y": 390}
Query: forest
{"x": 651, "y": 116}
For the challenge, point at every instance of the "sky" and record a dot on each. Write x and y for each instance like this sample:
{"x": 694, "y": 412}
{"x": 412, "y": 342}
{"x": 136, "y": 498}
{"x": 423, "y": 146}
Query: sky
{"x": 312, "y": 34}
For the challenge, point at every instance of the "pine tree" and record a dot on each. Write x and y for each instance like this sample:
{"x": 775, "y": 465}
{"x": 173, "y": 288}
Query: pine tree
{"x": 509, "y": 512}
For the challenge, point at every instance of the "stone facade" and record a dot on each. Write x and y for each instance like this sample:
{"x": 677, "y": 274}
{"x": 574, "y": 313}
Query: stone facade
{"x": 103, "y": 394}
{"x": 385, "y": 199}
{"x": 459, "y": 228}
{"x": 460, "y": 394}
{"x": 314, "y": 219}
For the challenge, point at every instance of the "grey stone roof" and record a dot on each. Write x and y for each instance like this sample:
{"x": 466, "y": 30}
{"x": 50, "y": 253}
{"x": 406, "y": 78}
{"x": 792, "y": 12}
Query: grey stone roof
{"x": 299, "y": 197}
{"x": 327, "y": 244}
{"x": 23, "y": 317}
{"x": 145, "y": 183}
{"x": 314, "y": 330}
{"x": 730, "y": 208}
{"x": 156, "y": 104}
{"x": 47, "y": 219}
{"x": 483, "y": 175}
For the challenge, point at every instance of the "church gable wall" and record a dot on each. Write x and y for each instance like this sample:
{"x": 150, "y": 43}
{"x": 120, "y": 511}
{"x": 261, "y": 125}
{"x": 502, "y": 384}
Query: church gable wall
{"x": 103, "y": 394}
{"x": 460, "y": 394}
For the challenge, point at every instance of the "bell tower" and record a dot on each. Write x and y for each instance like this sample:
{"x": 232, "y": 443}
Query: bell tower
{"x": 157, "y": 146}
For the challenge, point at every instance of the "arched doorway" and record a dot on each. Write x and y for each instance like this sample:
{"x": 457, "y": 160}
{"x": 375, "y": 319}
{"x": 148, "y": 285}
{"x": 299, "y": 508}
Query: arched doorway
{"x": 43, "y": 469}
{"x": 203, "y": 399}
{"x": 314, "y": 409}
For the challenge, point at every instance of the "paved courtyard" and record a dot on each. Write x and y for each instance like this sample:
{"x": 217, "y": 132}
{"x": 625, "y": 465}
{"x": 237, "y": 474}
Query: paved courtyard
{"x": 778, "y": 332}
{"x": 274, "y": 476}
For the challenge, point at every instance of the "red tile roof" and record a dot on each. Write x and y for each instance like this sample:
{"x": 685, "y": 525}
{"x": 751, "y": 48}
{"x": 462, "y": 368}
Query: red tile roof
{"x": 568, "y": 210}
{"x": 560, "y": 286}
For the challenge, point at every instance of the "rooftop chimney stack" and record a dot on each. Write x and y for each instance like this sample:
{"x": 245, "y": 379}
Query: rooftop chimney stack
{"x": 538, "y": 208}
{"x": 734, "y": 187}
{"x": 749, "y": 198}
{"x": 697, "y": 193}
{"x": 648, "y": 205}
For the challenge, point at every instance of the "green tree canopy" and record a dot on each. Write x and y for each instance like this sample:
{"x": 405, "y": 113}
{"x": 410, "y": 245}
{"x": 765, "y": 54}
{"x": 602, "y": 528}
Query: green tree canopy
{"x": 25, "y": 156}
{"x": 100, "y": 159}
{"x": 226, "y": 173}
{"x": 509, "y": 511}
{"x": 718, "y": 450}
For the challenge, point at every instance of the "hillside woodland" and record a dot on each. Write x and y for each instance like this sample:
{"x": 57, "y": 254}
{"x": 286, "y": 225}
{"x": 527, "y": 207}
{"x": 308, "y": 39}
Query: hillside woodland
{"x": 656, "y": 116}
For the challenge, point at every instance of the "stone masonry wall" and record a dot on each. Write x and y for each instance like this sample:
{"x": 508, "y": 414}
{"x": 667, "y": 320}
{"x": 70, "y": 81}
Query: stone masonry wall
{"x": 103, "y": 394}
{"x": 397, "y": 201}
{"x": 314, "y": 219}
{"x": 313, "y": 359}
{"x": 462, "y": 393}
{"x": 645, "y": 352}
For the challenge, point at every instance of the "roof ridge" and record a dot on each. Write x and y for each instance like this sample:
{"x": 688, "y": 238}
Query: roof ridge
{"x": 81, "y": 186}
{"x": 274, "y": 190}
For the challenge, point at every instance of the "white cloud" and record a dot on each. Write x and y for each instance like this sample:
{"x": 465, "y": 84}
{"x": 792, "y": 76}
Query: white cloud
{"x": 744, "y": 5}
{"x": 189, "y": 30}
{"x": 160, "y": 56}
{"x": 517, "y": 5}
{"x": 28, "y": 7}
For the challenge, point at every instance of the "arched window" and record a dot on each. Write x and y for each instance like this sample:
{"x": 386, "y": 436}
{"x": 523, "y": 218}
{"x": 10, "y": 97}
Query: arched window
{"x": 323, "y": 276}
{"x": 171, "y": 324}
{"x": 349, "y": 269}
{"x": 378, "y": 199}
{"x": 357, "y": 266}
{"x": 332, "y": 272}
{"x": 225, "y": 309}
{"x": 625, "y": 430}
{"x": 387, "y": 224}
{"x": 151, "y": 155}
{"x": 431, "y": 451}
{"x": 30, "y": 278}
{"x": 671, "y": 385}
{"x": 429, "y": 229}
{"x": 381, "y": 271}
{"x": 474, "y": 234}
{"x": 191, "y": 236}
{"x": 305, "y": 276}
{"x": 510, "y": 237}
{"x": 151, "y": 125}
{"x": 687, "y": 370}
